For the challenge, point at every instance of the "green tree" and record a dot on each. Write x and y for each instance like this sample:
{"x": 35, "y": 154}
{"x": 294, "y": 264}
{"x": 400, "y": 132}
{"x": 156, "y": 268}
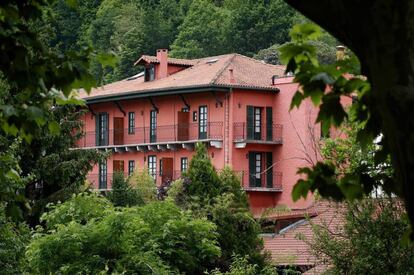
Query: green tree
{"x": 369, "y": 242}
{"x": 122, "y": 193}
{"x": 202, "y": 31}
{"x": 13, "y": 240}
{"x": 54, "y": 170}
{"x": 144, "y": 184}
{"x": 138, "y": 189}
{"x": 156, "y": 238}
{"x": 255, "y": 25}
{"x": 384, "y": 104}
{"x": 325, "y": 53}
{"x": 204, "y": 183}
{"x": 221, "y": 199}
{"x": 35, "y": 80}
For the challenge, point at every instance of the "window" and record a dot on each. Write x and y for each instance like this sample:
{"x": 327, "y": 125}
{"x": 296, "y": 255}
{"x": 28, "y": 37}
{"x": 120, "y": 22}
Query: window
{"x": 152, "y": 166}
{"x": 103, "y": 175}
{"x": 131, "y": 123}
{"x": 149, "y": 73}
{"x": 257, "y": 120}
{"x": 202, "y": 122}
{"x": 131, "y": 167}
{"x": 258, "y": 166}
{"x": 184, "y": 164}
{"x": 160, "y": 167}
{"x": 102, "y": 133}
{"x": 194, "y": 116}
{"x": 153, "y": 126}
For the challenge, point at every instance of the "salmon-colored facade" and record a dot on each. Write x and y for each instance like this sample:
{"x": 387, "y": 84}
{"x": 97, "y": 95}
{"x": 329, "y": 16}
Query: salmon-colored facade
{"x": 237, "y": 106}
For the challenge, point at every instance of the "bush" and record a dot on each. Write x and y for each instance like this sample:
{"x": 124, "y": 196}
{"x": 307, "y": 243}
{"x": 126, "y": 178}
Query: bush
{"x": 81, "y": 208}
{"x": 122, "y": 193}
{"x": 13, "y": 240}
{"x": 157, "y": 238}
{"x": 144, "y": 184}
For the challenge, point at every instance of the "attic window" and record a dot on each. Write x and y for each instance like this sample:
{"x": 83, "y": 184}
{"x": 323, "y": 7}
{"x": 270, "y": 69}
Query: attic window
{"x": 211, "y": 61}
{"x": 149, "y": 72}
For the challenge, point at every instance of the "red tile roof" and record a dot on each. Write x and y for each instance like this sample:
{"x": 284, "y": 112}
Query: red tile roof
{"x": 212, "y": 71}
{"x": 288, "y": 248}
{"x": 173, "y": 61}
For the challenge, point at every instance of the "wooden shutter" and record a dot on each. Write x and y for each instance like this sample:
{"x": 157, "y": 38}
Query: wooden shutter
{"x": 183, "y": 125}
{"x": 269, "y": 171}
{"x": 167, "y": 170}
{"x": 118, "y": 130}
{"x": 118, "y": 166}
{"x": 269, "y": 124}
{"x": 250, "y": 122}
{"x": 252, "y": 169}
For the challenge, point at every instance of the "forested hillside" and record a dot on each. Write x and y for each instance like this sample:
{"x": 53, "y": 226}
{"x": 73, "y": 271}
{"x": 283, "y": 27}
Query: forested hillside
{"x": 189, "y": 28}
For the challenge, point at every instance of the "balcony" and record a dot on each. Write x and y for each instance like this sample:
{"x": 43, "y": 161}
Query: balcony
{"x": 264, "y": 182}
{"x": 160, "y": 138}
{"x": 271, "y": 182}
{"x": 262, "y": 134}
{"x": 104, "y": 182}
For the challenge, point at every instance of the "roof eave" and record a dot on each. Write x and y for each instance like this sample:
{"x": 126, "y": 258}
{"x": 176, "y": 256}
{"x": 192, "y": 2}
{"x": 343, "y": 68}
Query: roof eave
{"x": 173, "y": 91}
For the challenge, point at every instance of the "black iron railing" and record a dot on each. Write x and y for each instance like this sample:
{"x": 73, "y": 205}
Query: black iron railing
{"x": 257, "y": 181}
{"x": 243, "y": 132}
{"x": 144, "y": 135}
{"x": 269, "y": 180}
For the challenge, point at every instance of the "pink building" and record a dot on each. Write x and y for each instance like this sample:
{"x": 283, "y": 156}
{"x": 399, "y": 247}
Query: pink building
{"x": 237, "y": 106}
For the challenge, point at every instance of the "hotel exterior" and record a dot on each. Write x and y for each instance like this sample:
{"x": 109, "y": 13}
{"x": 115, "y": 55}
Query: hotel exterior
{"x": 237, "y": 106}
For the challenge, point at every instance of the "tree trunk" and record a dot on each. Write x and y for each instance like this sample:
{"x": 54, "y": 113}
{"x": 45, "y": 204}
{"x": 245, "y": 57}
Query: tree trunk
{"x": 381, "y": 33}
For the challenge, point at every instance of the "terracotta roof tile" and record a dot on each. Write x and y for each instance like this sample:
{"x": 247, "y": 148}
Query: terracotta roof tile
{"x": 287, "y": 249}
{"x": 248, "y": 73}
{"x": 174, "y": 61}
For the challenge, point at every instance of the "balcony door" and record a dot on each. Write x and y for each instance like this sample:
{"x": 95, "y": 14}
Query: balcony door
{"x": 202, "y": 122}
{"x": 183, "y": 119}
{"x": 102, "y": 129}
{"x": 103, "y": 175}
{"x": 153, "y": 126}
{"x": 118, "y": 130}
{"x": 167, "y": 170}
{"x": 118, "y": 166}
{"x": 254, "y": 123}
{"x": 261, "y": 169}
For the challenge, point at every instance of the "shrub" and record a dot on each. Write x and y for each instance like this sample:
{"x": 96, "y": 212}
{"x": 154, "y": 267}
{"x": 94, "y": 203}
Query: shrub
{"x": 122, "y": 193}
{"x": 144, "y": 184}
{"x": 157, "y": 238}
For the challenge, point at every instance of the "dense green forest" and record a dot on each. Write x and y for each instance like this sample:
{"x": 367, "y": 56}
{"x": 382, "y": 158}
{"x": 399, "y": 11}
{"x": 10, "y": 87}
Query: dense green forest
{"x": 190, "y": 29}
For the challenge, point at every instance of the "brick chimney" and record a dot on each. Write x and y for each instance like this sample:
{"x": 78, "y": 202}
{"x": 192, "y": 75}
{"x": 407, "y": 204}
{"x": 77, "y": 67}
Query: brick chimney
{"x": 162, "y": 56}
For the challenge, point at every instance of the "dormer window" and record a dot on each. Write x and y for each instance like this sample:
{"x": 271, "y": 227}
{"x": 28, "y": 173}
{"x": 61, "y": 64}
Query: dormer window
{"x": 149, "y": 72}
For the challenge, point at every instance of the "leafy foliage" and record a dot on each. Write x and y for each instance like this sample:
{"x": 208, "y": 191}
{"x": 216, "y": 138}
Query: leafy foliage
{"x": 205, "y": 183}
{"x": 241, "y": 266}
{"x": 221, "y": 199}
{"x": 370, "y": 242}
{"x": 325, "y": 85}
{"x": 142, "y": 182}
{"x": 13, "y": 240}
{"x": 80, "y": 208}
{"x": 202, "y": 31}
{"x": 156, "y": 238}
{"x": 122, "y": 193}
